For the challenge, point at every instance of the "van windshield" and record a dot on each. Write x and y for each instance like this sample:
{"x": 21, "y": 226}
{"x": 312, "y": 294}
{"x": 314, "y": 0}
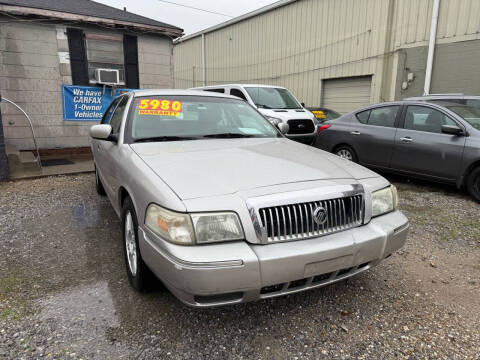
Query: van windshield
{"x": 272, "y": 98}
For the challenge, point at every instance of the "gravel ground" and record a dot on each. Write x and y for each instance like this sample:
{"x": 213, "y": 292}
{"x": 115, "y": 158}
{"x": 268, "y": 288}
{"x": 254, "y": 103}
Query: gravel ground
{"x": 64, "y": 293}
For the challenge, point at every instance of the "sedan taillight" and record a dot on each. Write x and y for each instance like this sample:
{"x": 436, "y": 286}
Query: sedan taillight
{"x": 323, "y": 127}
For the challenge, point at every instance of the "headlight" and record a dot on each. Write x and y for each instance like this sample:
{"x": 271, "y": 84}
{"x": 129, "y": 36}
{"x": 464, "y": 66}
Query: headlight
{"x": 384, "y": 200}
{"x": 213, "y": 227}
{"x": 174, "y": 227}
{"x": 274, "y": 121}
{"x": 195, "y": 228}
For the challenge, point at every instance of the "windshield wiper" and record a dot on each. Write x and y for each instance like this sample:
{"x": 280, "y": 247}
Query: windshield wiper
{"x": 263, "y": 106}
{"x": 228, "y": 135}
{"x": 166, "y": 138}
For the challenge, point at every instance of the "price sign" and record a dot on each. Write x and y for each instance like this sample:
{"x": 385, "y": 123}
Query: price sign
{"x": 159, "y": 107}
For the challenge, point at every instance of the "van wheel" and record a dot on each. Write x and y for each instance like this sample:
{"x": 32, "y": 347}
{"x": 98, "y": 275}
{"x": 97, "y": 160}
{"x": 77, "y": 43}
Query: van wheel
{"x": 139, "y": 275}
{"x": 346, "y": 152}
{"x": 473, "y": 184}
{"x": 98, "y": 184}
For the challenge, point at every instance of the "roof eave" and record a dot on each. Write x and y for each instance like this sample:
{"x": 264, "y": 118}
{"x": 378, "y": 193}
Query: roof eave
{"x": 26, "y": 11}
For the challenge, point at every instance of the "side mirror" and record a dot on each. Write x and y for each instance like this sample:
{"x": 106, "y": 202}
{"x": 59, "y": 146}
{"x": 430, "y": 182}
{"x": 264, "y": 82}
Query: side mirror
{"x": 452, "y": 130}
{"x": 283, "y": 127}
{"x": 101, "y": 132}
{"x": 303, "y": 104}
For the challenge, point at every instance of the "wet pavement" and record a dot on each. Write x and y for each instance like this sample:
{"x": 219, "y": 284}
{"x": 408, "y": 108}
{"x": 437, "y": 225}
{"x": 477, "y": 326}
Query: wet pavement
{"x": 64, "y": 291}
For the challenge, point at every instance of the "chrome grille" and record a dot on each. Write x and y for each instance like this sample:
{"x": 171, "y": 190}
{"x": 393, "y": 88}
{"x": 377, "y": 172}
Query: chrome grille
{"x": 296, "y": 221}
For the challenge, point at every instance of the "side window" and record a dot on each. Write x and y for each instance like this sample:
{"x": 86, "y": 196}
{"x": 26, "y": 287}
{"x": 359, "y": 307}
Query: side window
{"x": 238, "y": 93}
{"x": 108, "y": 114}
{"x": 423, "y": 118}
{"x": 117, "y": 116}
{"x": 383, "y": 116}
{"x": 363, "y": 116}
{"x": 220, "y": 90}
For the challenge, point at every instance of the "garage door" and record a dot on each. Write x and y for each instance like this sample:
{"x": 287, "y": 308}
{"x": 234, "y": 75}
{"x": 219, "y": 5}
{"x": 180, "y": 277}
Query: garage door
{"x": 346, "y": 94}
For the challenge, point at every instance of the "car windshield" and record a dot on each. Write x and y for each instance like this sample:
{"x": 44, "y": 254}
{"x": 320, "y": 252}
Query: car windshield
{"x": 330, "y": 114}
{"x": 272, "y": 98}
{"x": 468, "y": 113}
{"x": 170, "y": 118}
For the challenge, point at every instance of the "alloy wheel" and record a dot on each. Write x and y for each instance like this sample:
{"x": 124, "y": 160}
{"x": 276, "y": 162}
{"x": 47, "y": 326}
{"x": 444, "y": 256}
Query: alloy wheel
{"x": 345, "y": 154}
{"x": 130, "y": 244}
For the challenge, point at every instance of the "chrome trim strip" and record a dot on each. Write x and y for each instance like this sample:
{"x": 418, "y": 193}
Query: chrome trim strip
{"x": 401, "y": 228}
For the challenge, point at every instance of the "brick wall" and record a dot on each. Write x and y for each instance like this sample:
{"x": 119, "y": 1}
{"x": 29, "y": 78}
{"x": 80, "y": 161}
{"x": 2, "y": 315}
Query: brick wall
{"x": 32, "y": 72}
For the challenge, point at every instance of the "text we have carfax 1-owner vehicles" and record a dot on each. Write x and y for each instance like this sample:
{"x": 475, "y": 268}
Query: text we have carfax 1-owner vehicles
{"x": 220, "y": 206}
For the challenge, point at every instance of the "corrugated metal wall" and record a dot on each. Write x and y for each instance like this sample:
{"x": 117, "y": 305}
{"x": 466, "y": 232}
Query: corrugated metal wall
{"x": 300, "y": 44}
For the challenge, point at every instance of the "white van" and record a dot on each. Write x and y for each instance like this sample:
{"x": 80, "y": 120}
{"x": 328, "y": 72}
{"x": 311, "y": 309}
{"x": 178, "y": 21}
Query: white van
{"x": 277, "y": 104}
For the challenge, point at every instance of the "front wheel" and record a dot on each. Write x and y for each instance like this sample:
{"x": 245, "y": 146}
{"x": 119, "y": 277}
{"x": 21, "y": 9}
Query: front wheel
{"x": 473, "y": 184}
{"x": 139, "y": 275}
{"x": 346, "y": 152}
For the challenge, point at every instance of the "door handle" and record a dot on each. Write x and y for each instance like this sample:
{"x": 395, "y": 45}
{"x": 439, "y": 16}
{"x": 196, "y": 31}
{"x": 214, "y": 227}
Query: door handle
{"x": 355, "y": 132}
{"x": 406, "y": 139}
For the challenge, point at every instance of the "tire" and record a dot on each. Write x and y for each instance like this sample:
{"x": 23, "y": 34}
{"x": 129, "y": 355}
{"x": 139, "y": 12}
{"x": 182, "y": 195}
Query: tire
{"x": 473, "y": 184}
{"x": 139, "y": 275}
{"x": 346, "y": 152}
{"x": 98, "y": 184}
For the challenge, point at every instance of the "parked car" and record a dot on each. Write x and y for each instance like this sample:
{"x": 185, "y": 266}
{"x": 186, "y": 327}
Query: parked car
{"x": 277, "y": 104}
{"x": 221, "y": 207}
{"x": 324, "y": 114}
{"x": 436, "y": 141}
{"x": 470, "y": 100}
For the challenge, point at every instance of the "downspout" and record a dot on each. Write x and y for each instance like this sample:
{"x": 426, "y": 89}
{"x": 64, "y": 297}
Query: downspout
{"x": 431, "y": 47}
{"x": 204, "y": 73}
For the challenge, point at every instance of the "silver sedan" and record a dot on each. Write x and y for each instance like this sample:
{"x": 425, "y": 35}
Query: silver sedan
{"x": 223, "y": 209}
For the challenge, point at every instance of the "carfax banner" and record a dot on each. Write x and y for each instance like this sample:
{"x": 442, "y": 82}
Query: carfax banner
{"x": 86, "y": 103}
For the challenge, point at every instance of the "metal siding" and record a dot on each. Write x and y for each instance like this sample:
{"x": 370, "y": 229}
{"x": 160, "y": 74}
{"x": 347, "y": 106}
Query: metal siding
{"x": 304, "y": 42}
{"x": 346, "y": 94}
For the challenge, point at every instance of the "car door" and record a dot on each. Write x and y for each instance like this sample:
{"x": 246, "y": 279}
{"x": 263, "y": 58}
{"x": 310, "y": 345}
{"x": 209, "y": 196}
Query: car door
{"x": 373, "y": 134}
{"x": 98, "y": 146}
{"x": 421, "y": 147}
{"x": 111, "y": 150}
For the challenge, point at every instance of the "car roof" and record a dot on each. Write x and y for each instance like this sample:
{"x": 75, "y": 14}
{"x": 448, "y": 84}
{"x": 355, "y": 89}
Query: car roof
{"x": 180, "y": 92}
{"x": 443, "y": 96}
{"x": 403, "y": 102}
{"x": 240, "y": 85}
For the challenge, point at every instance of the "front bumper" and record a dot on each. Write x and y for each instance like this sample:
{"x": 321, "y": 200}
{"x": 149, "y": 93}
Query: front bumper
{"x": 227, "y": 273}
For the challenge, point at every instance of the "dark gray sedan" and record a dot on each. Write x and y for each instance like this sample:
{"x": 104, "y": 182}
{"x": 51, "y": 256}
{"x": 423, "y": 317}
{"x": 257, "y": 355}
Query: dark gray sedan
{"x": 436, "y": 141}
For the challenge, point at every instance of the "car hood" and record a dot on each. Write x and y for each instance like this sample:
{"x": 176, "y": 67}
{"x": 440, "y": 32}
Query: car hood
{"x": 205, "y": 168}
{"x": 287, "y": 114}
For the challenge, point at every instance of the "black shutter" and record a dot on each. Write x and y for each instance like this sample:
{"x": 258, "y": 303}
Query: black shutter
{"x": 130, "y": 51}
{"x": 78, "y": 56}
